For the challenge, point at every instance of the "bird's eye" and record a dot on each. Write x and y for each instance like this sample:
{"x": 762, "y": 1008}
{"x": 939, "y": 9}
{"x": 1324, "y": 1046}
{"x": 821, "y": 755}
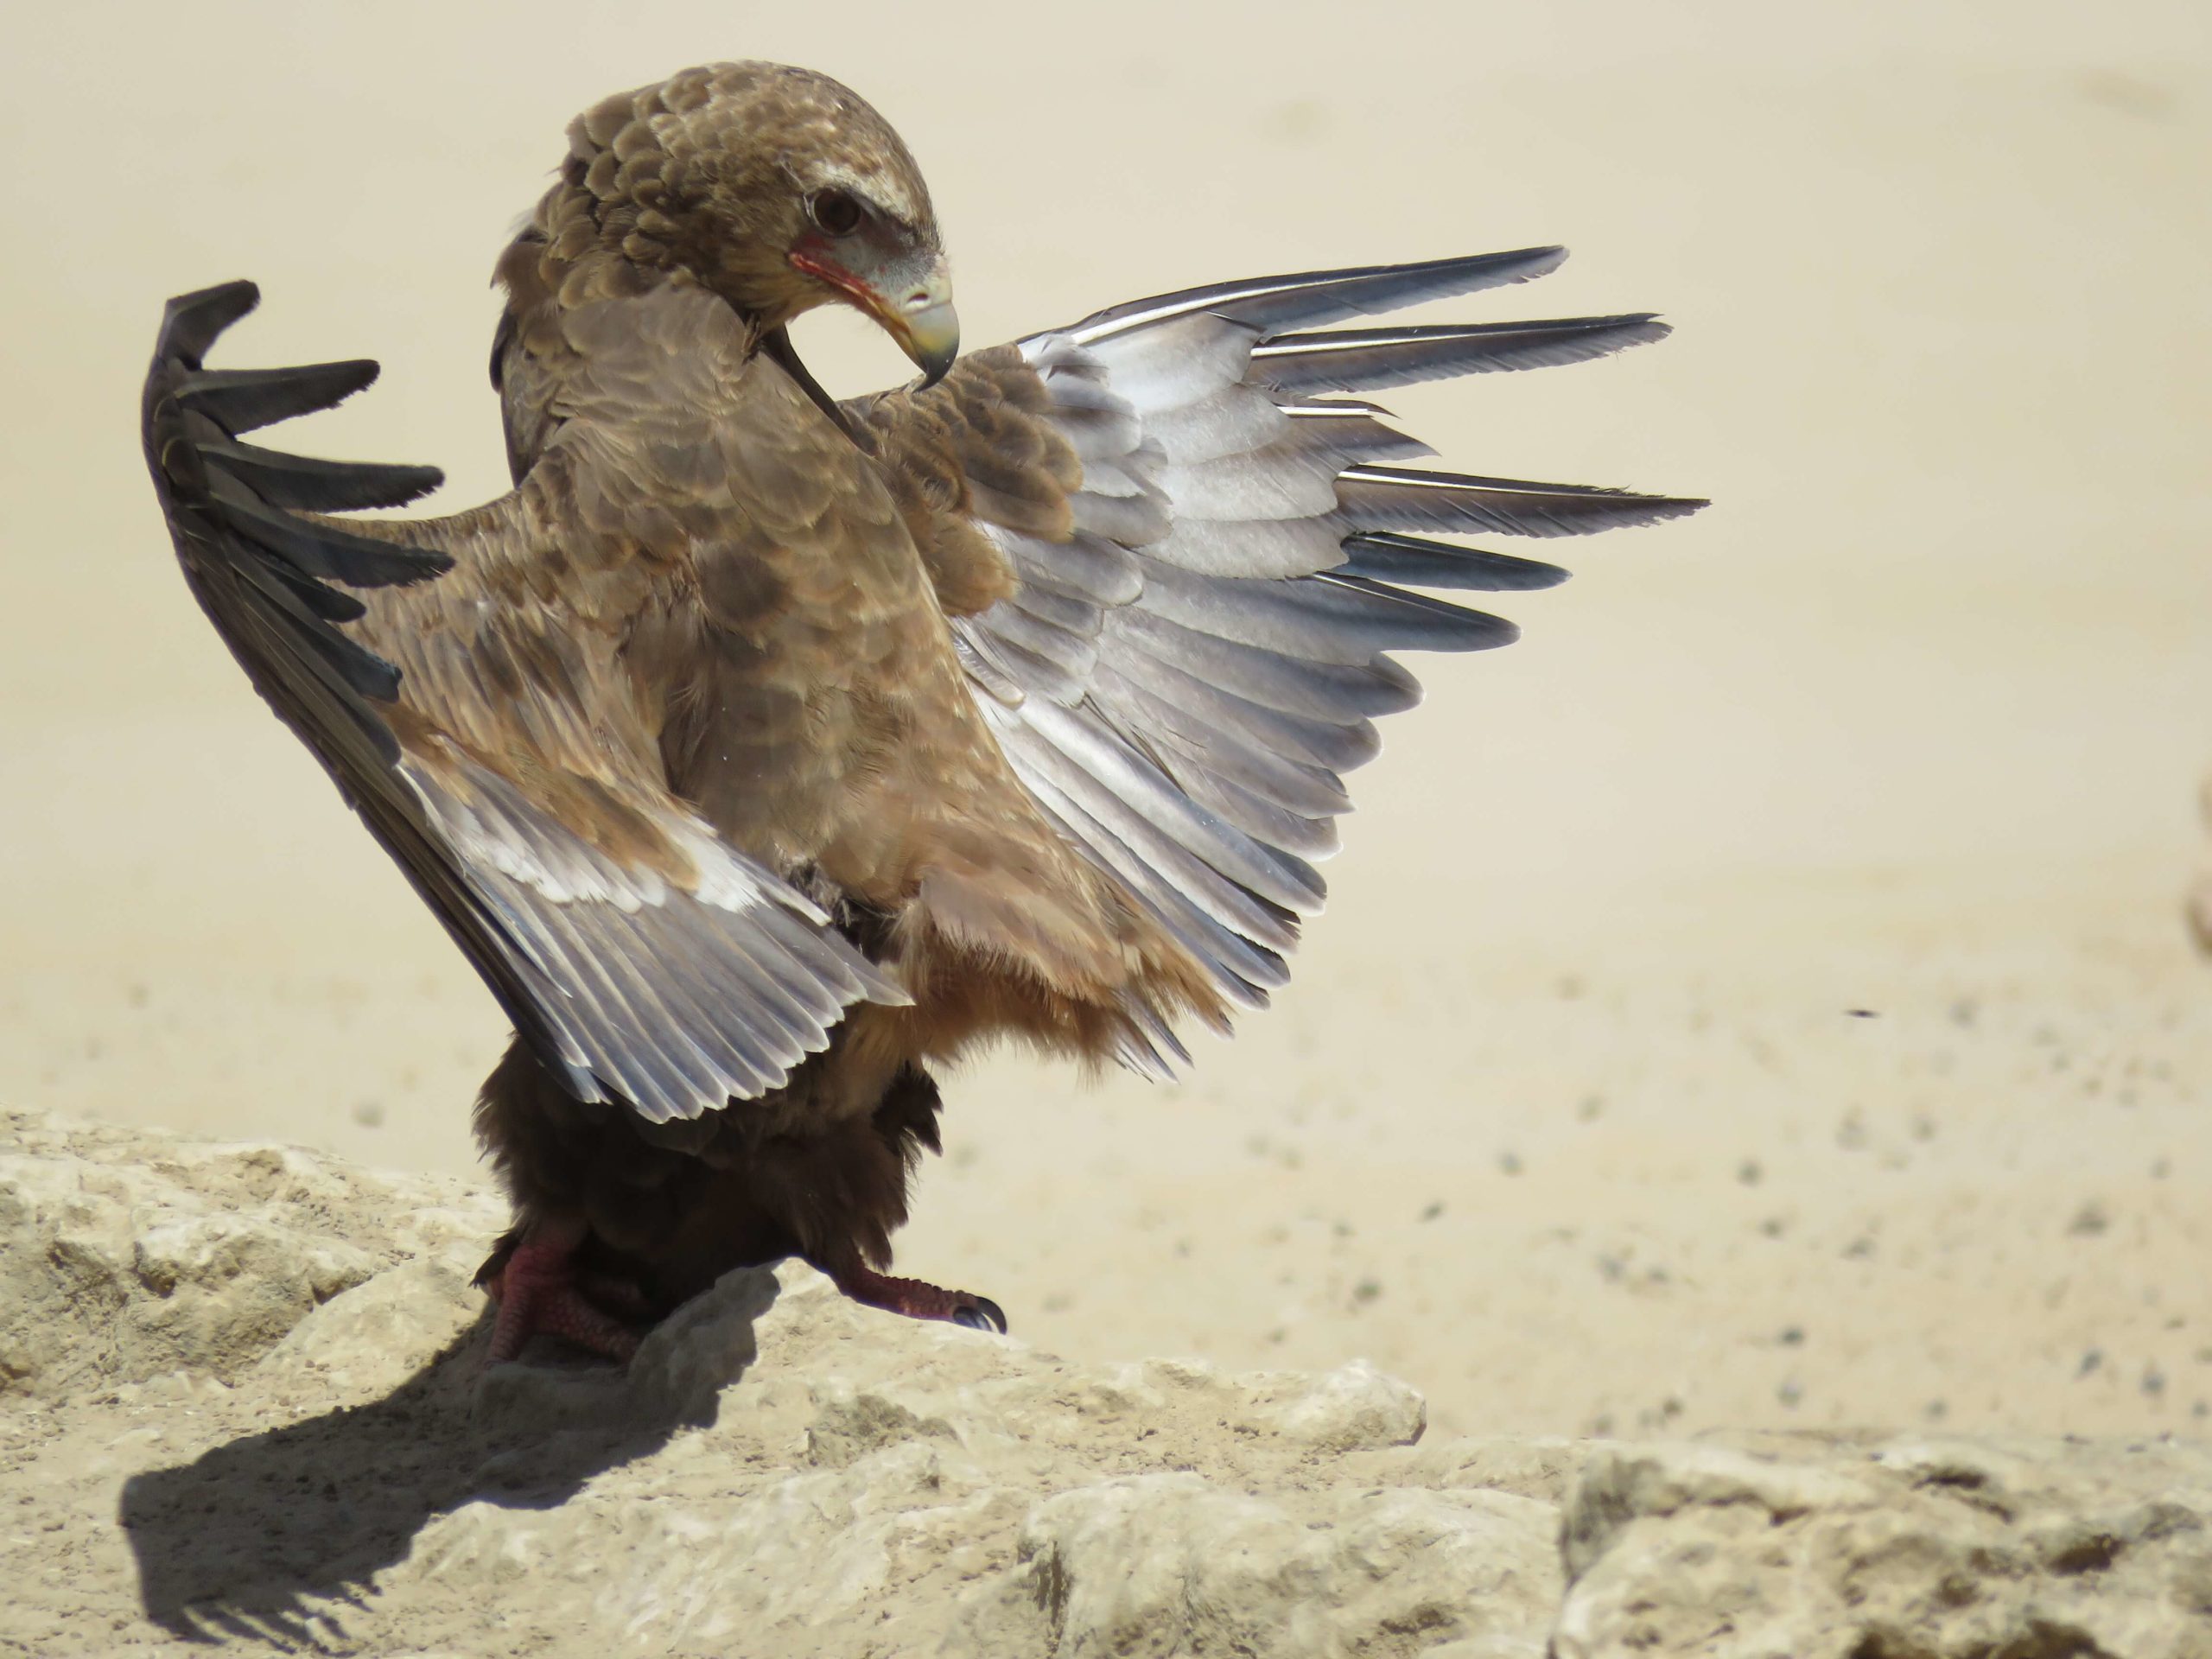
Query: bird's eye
{"x": 835, "y": 211}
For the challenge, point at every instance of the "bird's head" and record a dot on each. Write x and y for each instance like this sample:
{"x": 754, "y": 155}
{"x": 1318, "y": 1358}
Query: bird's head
{"x": 779, "y": 188}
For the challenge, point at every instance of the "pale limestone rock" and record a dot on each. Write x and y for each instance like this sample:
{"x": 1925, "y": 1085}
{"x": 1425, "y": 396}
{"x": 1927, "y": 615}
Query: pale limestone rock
{"x": 243, "y": 1406}
{"x": 1172, "y": 1564}
{"x": 1934, "y": 1549}
{"x": 126, "y": 1255}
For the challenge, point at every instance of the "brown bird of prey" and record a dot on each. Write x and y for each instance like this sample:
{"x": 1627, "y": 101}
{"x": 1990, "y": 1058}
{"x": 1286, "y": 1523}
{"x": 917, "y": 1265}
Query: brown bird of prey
{"x": 763, "y": 753}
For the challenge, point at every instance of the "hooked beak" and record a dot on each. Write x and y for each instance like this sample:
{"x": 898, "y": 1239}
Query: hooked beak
{"x": 909, "y": 294}
{"x": 928, "y": 332}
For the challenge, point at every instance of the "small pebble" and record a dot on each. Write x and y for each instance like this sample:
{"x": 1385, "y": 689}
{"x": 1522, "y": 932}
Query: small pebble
{"x": 2090, "y": 1361}
{"x": 1790, "y": 1392}
{"x": 1433, "y": 1209}
{"x": 1750, "y": 1172}
{"x": 1509, "y": 1163}
{"x": 2089, "y": 1221}
{"x": 369, "y": 1114}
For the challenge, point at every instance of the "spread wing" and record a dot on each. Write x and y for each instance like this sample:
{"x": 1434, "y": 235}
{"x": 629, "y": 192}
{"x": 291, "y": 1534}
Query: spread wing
{"x": 1210, "y": 553}
{"x": 498, "y": 748}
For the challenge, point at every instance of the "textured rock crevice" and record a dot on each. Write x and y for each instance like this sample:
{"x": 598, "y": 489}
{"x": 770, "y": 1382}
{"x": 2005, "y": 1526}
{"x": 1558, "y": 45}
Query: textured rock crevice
{"x": 240, "y": 1396}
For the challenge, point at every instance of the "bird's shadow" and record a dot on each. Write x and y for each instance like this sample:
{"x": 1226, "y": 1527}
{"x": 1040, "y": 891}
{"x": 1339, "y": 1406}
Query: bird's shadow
{"x": 276, "y": 1536}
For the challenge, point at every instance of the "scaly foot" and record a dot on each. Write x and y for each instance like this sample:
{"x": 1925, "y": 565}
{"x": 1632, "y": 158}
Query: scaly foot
{"x": 537, "y": 1290}
{"x": 918, "y": 1301}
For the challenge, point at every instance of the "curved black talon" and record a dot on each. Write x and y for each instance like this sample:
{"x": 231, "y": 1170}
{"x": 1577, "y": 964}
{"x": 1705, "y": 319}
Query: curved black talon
{"x": 981, "y": 1314}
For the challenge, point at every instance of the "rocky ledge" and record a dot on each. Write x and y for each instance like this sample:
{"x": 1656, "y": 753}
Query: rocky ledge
{"x": 241, "y": 1405}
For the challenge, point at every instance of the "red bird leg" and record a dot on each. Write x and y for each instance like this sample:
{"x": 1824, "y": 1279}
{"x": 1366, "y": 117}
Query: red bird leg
{"x": 918, "y": 1301}
{"x": 536, "y": 1291}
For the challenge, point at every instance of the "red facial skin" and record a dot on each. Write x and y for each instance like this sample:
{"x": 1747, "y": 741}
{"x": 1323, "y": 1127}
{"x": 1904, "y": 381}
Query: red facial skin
{"x": 812, "y": 256}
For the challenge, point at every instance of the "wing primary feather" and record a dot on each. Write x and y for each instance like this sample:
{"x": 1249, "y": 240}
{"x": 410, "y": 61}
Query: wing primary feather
{"x": 1319, "y": 297}
{"x": 313, "y": 663}
{"x": 311, "y": 641}
{"x": 1007, "y": 663}
{"x": 1153, "y": 861}
{"x": 1206, "y": 778}
{"x": 193, "y": 322}
{"x": 1236, "y": 758}
{"x": 690, "y": 1082}
{"x": 1336, "y": 691}
{"x": 331, "y": 604}
{"x": 314, "y": 485}
{"x": 1344, "y": 620}
{"x": 806, "y": 958}
{"x": 241, "y": 400}
{"x": 761, "y": 1042}
{"x": 1338, "y": 745}
{"x": 321, "y": 549}
{"x": 1246, "y": 967}
{"x": 1398, "y": 497}
{"x": 1353, "y": 433}
{"x": 1088, "y": 568}
{"x": 1417, "y": 563}
{"x": 624, "y": 1057}
{"x": 1364, "y": 359}
{"x": 1277, "y": 877}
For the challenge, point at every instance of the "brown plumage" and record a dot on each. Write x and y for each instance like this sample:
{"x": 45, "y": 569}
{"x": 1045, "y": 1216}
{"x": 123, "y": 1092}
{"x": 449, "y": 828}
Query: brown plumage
{"x": 762, "y": 753}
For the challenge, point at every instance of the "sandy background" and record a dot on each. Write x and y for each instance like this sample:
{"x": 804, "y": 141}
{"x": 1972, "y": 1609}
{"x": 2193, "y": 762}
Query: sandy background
{"x": 1566, "y": 1120}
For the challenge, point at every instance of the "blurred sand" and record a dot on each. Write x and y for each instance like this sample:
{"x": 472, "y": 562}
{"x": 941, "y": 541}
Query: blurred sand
{"x": 1568, "y": 1120}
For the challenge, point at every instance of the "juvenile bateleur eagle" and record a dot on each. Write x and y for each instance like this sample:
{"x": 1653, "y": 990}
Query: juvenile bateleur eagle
{"x": 763, "y": 753}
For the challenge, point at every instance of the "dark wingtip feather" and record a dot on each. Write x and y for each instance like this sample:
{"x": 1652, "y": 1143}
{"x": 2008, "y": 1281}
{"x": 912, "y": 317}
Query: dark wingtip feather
{"x": 313, "y": 486}
{"x": 240, "y": 400}
{"x": 193, "y": 322}
{"x": 324, "y": 550}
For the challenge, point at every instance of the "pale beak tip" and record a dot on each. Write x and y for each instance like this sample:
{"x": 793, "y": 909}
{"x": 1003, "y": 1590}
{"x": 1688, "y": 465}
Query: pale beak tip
{"x": 933, "y": 341}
